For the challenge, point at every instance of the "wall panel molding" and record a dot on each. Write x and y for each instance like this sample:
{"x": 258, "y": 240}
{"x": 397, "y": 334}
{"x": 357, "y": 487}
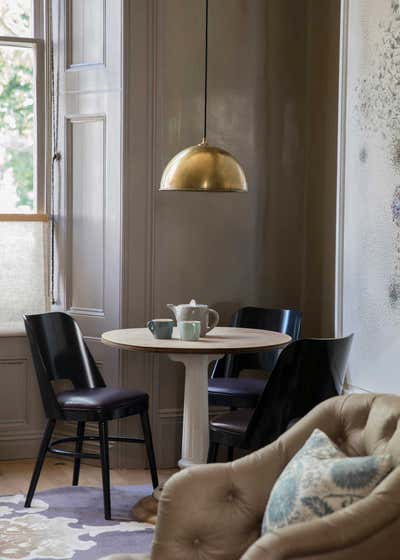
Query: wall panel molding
{"x": 21, "y": 415}
{"x": 14, "y": 382}
{"x": 86, "y": 200}
{"x": 91, "y": 37}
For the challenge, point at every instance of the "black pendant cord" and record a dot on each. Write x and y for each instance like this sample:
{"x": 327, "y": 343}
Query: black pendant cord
{"x": 205, "y": 74}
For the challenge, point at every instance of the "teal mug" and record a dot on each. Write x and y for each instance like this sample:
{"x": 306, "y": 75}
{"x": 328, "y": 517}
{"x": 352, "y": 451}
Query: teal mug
{"x": 161, "y": 328}
{"x": 189, "y": 330}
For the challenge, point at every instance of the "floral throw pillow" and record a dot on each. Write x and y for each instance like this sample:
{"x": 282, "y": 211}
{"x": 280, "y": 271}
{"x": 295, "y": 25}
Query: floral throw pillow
{"x": 319, "y": 480}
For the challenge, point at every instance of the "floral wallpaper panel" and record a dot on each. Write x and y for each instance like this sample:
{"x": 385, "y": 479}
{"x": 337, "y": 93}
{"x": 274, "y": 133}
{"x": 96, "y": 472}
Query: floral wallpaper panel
{"x": 371, "y": 260}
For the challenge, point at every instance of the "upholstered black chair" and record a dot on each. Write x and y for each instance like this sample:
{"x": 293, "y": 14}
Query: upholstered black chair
{"x": 60, "y": 352}
{"x": 225, "y": 387}
{"x": 307, "y": 372}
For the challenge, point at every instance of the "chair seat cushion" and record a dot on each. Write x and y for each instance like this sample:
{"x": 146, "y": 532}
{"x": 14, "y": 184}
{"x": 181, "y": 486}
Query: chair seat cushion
{"x": 319, "y": 480}
{"x": 236, "y": 386}
{"x": 235, "y": 421}
{"x": 102, "y": 399}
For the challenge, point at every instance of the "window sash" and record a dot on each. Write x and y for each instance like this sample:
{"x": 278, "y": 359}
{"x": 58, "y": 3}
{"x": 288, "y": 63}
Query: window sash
{"x": 38, "y": 299}
{"x": 40, "y": 154}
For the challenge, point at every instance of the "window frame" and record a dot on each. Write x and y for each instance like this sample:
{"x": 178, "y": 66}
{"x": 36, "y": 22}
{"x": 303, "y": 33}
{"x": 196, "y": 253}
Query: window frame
{"x": 41, "y": 157}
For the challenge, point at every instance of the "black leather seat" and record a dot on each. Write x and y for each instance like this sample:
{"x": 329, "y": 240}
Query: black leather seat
{"x": 237, "y": 390}
{"x": 60, "y": 352}
{"x": 306, "y": 373}
{"x": 102, "y": 403}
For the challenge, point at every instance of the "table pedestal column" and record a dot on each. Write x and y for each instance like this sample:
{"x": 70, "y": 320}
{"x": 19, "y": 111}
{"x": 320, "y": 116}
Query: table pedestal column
{"x": 195, "y": 436}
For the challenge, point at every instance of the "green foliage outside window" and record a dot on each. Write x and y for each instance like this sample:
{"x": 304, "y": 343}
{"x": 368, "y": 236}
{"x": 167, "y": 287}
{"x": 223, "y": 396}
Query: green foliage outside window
{"x": 16, "y": 111}
{"x": 21, "y": 164}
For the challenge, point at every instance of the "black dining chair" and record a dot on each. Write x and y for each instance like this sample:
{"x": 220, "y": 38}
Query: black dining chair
{"x": 225, "y": 387}
{"x": 306, "y": 373}
{"x": 60, "y": 352}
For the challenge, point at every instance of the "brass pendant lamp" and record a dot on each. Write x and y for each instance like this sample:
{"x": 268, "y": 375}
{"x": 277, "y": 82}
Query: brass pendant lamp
{"x": 204, "y": 168}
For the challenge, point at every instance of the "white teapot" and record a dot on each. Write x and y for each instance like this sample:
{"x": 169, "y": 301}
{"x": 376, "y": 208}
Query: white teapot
{"x": 196, "y": 312}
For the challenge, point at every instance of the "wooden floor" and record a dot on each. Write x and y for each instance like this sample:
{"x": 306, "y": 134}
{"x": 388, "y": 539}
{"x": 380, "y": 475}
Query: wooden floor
{"x": 15, "y": 475}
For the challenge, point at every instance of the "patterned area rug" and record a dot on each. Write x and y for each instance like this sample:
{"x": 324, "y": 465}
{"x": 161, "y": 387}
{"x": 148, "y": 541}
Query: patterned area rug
{"x": 68, "y": 523}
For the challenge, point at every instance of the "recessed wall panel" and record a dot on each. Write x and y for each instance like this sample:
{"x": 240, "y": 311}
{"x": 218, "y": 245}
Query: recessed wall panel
{"x": 85, "y": 32}
{"x": 86, "y": 145}
{"x": 13, "y": 383}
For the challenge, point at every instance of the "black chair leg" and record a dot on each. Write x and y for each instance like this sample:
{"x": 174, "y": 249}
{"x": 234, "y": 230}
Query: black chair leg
{"x": 105, "y": 468}
{"x": 230, "y": 453}
{"x": 39, "y": 461}
{"x": 148, "y": 440}
{"x": 212, "y": 452}
{"x": 80, "y": 432}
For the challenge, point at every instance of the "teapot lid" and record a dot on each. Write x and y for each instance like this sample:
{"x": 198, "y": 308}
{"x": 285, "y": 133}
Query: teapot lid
{"x": 192, "y": 303}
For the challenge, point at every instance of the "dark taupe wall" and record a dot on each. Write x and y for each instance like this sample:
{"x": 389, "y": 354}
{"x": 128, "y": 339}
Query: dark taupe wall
{"x": 318, "y": 278}
{"x": 284, "y": 103}
{"x": 267, "y": 85}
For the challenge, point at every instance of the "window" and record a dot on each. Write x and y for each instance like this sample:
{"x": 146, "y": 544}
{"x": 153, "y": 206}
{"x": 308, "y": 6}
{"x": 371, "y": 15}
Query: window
{"x": 21, "y": 108}
{"x": 23, "y": 219}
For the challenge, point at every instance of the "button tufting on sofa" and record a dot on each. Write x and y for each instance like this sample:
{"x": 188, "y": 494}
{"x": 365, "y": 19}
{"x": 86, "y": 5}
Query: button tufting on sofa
{"x": 224, "y": 503}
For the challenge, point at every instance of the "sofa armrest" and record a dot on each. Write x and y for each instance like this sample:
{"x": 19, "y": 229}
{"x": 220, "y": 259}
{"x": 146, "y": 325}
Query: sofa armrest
{"x": 343, "y": 530}
{"x": 215, "y": 511}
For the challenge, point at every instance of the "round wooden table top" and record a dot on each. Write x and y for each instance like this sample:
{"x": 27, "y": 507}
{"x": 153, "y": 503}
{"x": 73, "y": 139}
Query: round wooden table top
{"x": 220, "y": 340}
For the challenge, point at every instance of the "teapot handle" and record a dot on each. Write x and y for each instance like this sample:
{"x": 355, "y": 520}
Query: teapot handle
{"x": 213, "y": 319}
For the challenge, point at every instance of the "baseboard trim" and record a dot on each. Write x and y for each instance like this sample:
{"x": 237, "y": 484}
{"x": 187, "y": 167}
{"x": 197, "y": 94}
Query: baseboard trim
{"x": 19, "y": 446}
{"x": 178, "y": 412}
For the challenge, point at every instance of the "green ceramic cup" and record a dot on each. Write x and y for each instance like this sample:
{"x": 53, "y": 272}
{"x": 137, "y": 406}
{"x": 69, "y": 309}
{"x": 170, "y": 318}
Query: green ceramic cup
{"x": 189, "y": 330}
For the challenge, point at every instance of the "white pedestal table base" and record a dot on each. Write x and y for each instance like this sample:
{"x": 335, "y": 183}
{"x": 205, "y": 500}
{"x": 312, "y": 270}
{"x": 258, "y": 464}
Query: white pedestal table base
{"x": 195, "y": 436}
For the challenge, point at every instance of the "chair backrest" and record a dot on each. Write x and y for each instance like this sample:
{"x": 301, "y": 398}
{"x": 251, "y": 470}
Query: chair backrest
{"x": 286, "y": 321}
{"x": 59, "y": 352}
{"x": 307, "y": 372}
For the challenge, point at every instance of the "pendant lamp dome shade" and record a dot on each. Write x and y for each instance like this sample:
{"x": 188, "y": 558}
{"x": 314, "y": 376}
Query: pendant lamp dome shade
{"x": 204, "y": 168}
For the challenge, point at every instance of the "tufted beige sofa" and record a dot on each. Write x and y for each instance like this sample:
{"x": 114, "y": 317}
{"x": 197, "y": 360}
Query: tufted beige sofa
{"x": 214, "y": 512}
